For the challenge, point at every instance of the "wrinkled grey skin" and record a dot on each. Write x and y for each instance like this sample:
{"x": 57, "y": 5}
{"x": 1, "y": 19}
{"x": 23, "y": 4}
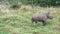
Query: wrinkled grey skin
{"x": 41, "y": 17}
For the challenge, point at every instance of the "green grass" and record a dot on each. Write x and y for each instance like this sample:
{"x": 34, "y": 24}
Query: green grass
{"x": 19, "y": 22}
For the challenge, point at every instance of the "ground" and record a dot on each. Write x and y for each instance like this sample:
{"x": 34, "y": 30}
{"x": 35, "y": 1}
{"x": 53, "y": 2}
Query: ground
{"x": 18, "y": 21}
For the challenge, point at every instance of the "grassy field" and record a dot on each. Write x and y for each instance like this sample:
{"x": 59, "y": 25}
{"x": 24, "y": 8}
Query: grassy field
{"x": 18, "y": 21}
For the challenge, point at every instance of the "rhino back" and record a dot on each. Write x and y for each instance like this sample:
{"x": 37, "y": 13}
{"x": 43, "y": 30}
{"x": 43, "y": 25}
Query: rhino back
{"x": 39, "y": 17}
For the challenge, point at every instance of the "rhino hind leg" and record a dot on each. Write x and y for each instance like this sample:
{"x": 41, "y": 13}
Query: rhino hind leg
{"x": 35, "y": 21}
{"x": 32, "y": 21}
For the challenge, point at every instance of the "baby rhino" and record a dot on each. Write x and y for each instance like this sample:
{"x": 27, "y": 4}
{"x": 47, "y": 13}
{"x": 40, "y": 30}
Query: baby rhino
{"x": 41, "y": 17}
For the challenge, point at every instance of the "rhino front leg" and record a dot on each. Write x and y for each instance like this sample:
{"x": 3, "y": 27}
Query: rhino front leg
{"x": 44, "y": 23}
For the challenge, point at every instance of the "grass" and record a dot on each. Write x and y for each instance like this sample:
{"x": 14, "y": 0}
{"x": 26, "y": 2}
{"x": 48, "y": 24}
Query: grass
{"x": 19, "y": 21}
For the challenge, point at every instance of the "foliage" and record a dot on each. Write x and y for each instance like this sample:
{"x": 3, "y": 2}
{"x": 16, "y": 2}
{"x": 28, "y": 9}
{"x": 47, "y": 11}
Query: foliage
{"x": 19, "y": 21}
{"x": 41, "y": 3}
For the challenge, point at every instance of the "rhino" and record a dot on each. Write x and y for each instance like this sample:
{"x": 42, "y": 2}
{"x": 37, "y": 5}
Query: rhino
{"x": 41, "y": 17}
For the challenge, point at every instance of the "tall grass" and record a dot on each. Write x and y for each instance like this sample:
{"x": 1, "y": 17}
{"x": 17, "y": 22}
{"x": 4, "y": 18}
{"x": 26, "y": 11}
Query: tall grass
{"x": 19, "y": 21}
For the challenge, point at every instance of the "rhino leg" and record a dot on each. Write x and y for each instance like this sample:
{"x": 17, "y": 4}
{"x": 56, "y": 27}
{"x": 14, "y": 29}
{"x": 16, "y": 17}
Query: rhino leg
{"x": 32, "y": 21}
{"x": 35, "y": 21}
{"x": 44, "y": 23}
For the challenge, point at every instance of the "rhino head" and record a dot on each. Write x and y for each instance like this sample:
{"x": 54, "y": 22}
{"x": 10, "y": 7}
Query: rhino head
{"x": 49, "y": 16}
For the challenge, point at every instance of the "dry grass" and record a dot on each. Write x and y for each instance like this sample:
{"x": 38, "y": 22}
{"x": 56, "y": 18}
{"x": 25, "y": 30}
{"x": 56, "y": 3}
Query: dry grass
{"x": 19, "y": 21}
